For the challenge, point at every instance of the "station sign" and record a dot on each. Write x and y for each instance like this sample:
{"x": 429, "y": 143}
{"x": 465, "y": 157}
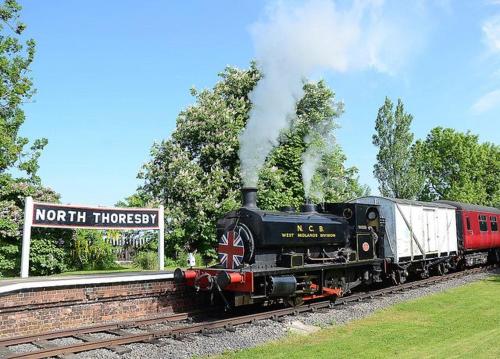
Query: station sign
{"x": 54, "y": 215}
{"x": 66, "y": 216}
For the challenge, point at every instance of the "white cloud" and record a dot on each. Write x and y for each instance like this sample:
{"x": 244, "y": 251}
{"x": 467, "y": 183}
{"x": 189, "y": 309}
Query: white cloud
{"x": 487, "y": 102}
{"x": 491, "y": 38}
{"x": 491, "y": 32}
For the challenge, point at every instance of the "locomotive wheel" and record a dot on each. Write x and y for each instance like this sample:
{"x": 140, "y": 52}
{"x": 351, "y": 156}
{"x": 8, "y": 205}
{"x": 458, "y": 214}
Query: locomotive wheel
{"x": 295, "y": 301}
{"x": 400, "y": 277}
{"x": 446, "y": 268}
{"x": 424, "y": 274}
{"x": 441, "y": 269}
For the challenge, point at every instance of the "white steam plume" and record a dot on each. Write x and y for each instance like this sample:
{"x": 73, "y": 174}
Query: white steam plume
{"x": 311, "y": 159}
{"x": 296, "y": 39}
{"x": 319, "y": 142}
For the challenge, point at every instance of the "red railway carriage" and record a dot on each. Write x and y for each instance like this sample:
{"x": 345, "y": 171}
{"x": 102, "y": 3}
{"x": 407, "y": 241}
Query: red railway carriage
{"x": 477, "y": 231}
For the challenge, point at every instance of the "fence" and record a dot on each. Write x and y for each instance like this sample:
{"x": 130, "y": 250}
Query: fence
{"x": 127, "y": 245}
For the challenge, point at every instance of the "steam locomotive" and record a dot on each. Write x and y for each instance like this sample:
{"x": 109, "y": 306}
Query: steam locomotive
{"x": 325, "y": 251}
{"x": 270, "y": 256}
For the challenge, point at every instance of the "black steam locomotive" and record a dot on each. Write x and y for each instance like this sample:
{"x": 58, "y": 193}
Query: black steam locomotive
{"x": 292, "y": 256}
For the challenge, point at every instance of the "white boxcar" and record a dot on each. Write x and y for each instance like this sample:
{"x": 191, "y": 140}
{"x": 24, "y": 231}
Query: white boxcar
{"x": 416, "y": 230}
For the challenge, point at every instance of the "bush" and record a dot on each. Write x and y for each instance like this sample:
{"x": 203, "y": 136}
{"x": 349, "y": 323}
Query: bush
{"x": 50, "y": 247}
{"x": 181, "y": 260}
{"x": 146, "y": 260}
{"x": 91, "y": 251}
{"x": 46, "y": 257}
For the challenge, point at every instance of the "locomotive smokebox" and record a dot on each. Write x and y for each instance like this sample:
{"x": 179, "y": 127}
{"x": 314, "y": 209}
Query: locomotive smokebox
{"x": 249, "y": 197}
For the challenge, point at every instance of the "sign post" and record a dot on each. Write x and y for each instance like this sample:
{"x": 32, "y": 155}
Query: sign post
{"x": 25, "y": 252}
{"x": 161, "y": 243}
{"x": 53, "y": 215}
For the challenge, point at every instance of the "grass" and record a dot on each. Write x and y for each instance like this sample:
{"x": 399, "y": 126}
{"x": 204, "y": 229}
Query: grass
{"x": 460, "y": 323}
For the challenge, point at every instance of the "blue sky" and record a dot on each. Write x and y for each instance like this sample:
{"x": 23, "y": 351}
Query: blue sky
{"x": 113, "y": 75}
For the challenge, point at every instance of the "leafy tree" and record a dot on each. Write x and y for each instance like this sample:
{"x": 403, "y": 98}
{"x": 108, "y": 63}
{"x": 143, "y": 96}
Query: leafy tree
{"x": 149, "y": 249}
{"x": 195, "y": 173}
{"x": 138, "y": 200}
{"x": 395, "y": 170}
{"x": 91, "y": 251}
{"x": 338, "y": 183}
{"x": 457, "y": 167}
{"x": 281, "y": 180}
{"x": 16, "y": 88}
{"x": 49, "y": 247}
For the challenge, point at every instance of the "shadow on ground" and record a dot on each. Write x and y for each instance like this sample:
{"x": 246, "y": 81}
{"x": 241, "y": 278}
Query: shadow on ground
{"x": 496, "y": 277}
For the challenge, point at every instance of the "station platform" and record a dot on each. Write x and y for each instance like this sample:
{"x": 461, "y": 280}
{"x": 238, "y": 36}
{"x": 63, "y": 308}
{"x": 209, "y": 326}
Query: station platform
{"x": 37, "y": 305}
{"x": 15, "y": 284}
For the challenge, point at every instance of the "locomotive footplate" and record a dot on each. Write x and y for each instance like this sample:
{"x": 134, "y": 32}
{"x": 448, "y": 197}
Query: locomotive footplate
{"x": 258, "y": 272}
{"x": 242, "y": 280}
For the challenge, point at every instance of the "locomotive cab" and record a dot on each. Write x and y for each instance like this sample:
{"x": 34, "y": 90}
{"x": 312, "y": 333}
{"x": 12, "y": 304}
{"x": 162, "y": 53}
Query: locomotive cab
{"x": 365, "y": 225}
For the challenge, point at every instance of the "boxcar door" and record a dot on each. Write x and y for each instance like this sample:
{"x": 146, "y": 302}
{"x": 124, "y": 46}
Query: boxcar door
{"x": 430, "y": 230}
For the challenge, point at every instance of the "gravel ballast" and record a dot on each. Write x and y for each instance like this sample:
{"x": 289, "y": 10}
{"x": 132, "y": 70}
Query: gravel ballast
{"x": 247, "y": 336}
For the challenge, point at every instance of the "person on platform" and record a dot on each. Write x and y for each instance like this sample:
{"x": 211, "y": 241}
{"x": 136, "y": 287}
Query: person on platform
{"x": 191, "y": 259}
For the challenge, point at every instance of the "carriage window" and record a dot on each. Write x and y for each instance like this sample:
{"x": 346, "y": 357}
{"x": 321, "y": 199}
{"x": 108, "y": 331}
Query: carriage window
{"x": 494, "y": 224}
{"x": 483, "y": 225}
{"x": 468, "y": 223}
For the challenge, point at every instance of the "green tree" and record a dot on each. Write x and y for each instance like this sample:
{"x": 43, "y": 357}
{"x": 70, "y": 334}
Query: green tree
{"x": 16, "y": 88}
{"x": 49, "y": 247}
{"x": 338, "y": 183}
{"x": 90, "y": 251}
{"x": 195, "y": 173}
{"x": 395, "y": 169}
{"x": 281, "y": 182}
{"x": 457, "y": 167}
{"x": 144, "y": 254}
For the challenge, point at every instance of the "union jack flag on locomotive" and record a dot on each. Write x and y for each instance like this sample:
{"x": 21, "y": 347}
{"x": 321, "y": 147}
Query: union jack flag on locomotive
{"x": 231, "y": 250}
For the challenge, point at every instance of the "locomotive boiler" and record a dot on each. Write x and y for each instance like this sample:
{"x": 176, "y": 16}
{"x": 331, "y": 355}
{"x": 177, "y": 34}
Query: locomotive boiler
{"x": 291, "y": 256}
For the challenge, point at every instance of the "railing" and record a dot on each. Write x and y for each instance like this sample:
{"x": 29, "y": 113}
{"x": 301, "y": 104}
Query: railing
{"x": 126, "y": 248}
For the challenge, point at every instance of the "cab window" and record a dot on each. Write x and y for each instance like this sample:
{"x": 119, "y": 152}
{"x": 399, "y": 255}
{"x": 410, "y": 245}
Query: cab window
{"x": 468, "y": 223}
{"x": 483, "y": 225}
{"x": 493, "y": 224}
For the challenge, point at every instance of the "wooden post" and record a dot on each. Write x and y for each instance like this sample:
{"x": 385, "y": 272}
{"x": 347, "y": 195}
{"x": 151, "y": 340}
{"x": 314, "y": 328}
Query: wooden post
{"x": 25, "y": 254}
{"x": 161, "y": 240}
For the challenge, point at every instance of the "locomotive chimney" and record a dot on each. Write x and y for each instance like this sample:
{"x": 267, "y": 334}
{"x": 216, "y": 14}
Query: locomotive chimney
{"x": 308, "y": 207}
{"x": 249, "y": 197}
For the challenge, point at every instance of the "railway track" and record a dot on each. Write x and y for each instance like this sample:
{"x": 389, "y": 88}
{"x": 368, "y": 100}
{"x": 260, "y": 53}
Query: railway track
{"x": 122, "y": 337}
